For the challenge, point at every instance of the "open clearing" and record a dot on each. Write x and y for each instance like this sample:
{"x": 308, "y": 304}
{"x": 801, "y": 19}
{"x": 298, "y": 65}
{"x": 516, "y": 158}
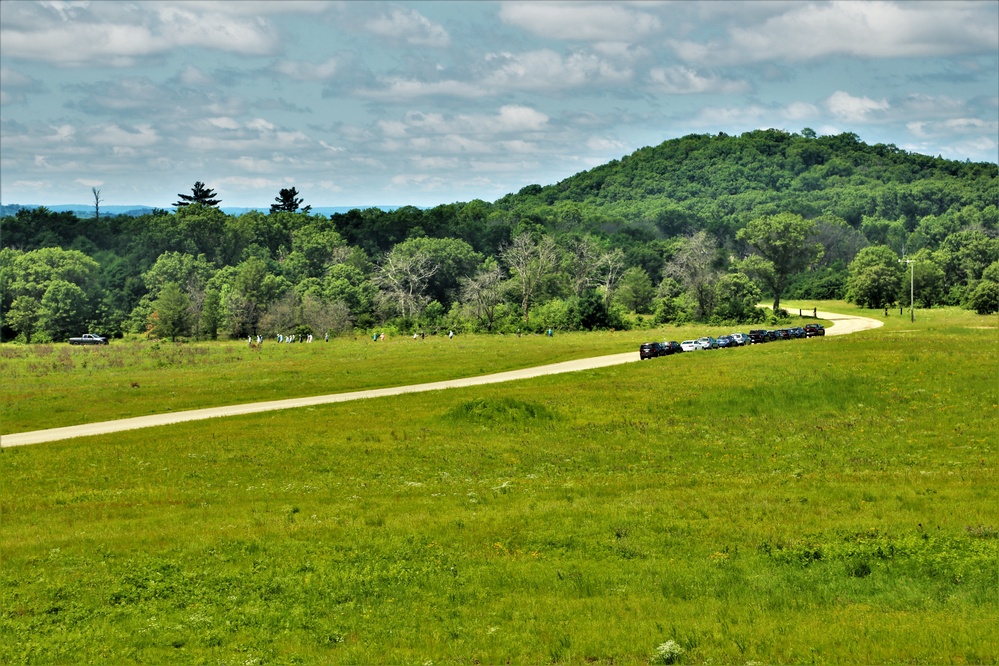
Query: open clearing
{"x": 820, "y": 501}
{"x": 841, "y": 325}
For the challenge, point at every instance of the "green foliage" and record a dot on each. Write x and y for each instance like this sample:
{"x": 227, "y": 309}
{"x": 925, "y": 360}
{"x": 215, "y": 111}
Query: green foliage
{"x": 821, "y": 285}
{"x": 786, "y": 243}
{"x": 875, "y": 278}
{"x": 24, "y": 316}
{"x": 776, "y": 195}
{"x": 64, "y": 311}
{"x": 737, "y": 298}
{"x": 499, "y": 411}
{"x": 634, "y": 290}
{"x": 171, "y": 313}
{"x": 985, "y": 298}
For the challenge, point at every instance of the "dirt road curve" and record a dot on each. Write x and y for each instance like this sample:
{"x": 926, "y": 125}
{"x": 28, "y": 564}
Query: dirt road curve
{"x": 842, "y": 324}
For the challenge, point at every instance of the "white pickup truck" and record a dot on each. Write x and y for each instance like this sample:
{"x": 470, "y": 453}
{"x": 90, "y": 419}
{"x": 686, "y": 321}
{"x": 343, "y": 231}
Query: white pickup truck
{"x": 88, "y": 339}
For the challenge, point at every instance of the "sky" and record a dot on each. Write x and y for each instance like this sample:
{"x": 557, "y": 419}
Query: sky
{"x": 424, "y": 103}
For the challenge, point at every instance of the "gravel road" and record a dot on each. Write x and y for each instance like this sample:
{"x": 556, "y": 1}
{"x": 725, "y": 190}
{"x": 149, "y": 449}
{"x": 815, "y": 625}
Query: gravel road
{"x": 842, "y": 325}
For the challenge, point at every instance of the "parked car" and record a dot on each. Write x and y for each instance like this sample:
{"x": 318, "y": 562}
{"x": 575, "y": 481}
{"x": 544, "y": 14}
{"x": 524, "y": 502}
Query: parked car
{"x": 811, "y": 330}
{"x": 707, "y": 342}
{"x": 649, "y": 350}
{"x": 797, "y": 332}
{"x": 691, "y": 345}
{"x": 726, "y": 341}
{"x": 88, "y": 339}
{"x": 759, "y": 335}
{"x": 673, "y": 346}
{"x": 783, "y": 334}
{"x": 740, "y": 339}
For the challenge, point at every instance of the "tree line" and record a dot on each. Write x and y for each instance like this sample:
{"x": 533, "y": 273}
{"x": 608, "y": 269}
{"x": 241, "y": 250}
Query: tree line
{"x": 700, "y": 228}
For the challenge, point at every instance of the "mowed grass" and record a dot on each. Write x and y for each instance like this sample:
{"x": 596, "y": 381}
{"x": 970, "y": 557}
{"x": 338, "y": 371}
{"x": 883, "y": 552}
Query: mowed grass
{"x": 828, "y": 501}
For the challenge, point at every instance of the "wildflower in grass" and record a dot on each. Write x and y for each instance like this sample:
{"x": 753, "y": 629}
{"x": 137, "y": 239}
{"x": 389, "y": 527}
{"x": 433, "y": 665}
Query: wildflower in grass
{"x": 668, "y": 653}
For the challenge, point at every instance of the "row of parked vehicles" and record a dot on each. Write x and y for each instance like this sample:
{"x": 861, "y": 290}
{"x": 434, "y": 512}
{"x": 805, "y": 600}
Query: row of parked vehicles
{"x": 754, "y": 337}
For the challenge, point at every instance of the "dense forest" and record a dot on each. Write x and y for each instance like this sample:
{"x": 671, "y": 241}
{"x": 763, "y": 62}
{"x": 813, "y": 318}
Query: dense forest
{"x": 698, "y": 228}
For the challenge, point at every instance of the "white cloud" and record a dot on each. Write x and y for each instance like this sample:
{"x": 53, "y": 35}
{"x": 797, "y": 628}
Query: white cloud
{"x": 249, "y": 183}
{"x": 254, "y": 164}
{"x": 305, "y": 71}
{"x": 31, "y": 184}
{"x": 400, "y": 89}
{"x": 953, "y": 127}
{"x": 10, "y": 78}
{"x": 580, "y": 21}
{"x": 801, "y": 111}
{"x": 807, "y": 31}
{"x": 854, "y": 109}
{"x": 545, "y": 69}
{"x": 542, "y": 71}
{"x": 117, "y": 34}
{"x": 436, "y": 163}
{"x": 192, "y": 76}
{"x": 124, "y": 137}
{"x": 603, "y": 145}
{"x": 409, "y": 26}
{"x": 683, "y": 80}
{"x": 89, "y": 182}
{"x": 260, "y": 124}
{"x": 754, "y": 116}
{"x": 224, "y": 122}
{"x": 15, "y": 86}
{"x": 510, "y": 119}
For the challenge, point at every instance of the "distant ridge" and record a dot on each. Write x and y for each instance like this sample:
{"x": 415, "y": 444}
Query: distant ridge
{"x": 87, "y": 211}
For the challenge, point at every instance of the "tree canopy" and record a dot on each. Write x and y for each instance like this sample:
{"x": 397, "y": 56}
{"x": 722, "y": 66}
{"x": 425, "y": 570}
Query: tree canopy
{"x": 699, "y": 227}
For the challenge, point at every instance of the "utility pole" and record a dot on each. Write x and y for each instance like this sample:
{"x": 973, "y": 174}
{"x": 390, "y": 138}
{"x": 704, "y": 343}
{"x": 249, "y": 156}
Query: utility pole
{"x": 912, "y": 286}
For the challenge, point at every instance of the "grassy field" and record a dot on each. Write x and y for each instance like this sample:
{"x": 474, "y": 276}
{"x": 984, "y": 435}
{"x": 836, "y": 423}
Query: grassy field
{"x": 49, "y": 386}
{"x": 824, "y": 501}
{"x": 58, "y": 385}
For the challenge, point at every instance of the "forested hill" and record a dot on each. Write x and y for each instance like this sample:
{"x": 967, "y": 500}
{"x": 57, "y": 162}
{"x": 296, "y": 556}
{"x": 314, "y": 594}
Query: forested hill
{"x": 696, "y": 228}
{"x": 722, "y": 182}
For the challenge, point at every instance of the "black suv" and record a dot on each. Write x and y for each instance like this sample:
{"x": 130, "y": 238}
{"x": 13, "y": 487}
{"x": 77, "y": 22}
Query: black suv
{"x": 650, "y": 350}
{"x": 759, "y": 335}
{"x": 811, "y": 330}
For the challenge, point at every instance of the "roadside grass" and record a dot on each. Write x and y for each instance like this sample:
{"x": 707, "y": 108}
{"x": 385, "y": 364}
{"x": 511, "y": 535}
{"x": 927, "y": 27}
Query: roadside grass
{"x": 825, "y": 501}
{"x": 48, "y": 386}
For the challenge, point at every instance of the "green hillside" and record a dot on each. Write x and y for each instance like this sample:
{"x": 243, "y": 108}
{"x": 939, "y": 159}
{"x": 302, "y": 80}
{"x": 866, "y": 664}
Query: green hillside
{"x": 721, "y": 182}
{"x": 697, "y": 228}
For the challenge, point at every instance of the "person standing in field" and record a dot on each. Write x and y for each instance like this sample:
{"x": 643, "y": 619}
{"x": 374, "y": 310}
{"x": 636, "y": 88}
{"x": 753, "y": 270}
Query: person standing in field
{"x": 450, "y": 335}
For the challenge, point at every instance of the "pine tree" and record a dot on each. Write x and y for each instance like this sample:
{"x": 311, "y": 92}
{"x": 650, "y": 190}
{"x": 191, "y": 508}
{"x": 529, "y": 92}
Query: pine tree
{"x": 200, "y": 195}
{"x": 288, "y": 201}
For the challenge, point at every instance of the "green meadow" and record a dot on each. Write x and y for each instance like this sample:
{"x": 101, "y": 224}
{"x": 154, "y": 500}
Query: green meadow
{"x": 831, "y": 500}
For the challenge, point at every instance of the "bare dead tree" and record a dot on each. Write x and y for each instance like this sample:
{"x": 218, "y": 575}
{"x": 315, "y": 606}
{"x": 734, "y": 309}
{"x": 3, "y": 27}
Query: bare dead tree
{"x": 530, "y": 262}
{"x": 97, "y": 203}
{"x": 484, "y": 293}
{"x": 584, "y": 264}
{"x": 404, "y": 277}
{"x": 611, "y": 266}
{"x": 693, "y": 266}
